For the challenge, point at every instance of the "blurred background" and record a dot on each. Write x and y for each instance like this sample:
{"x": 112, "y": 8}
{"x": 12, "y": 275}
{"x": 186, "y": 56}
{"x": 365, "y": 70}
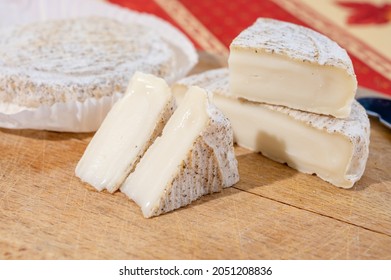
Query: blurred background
{"x": 362, "y": 27}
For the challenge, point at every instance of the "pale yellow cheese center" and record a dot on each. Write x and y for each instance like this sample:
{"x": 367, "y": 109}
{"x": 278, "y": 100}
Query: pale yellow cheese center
{"x": 125, "y": 130}
{"x": 276, "y": 79}
{"x": 285, "y": 139}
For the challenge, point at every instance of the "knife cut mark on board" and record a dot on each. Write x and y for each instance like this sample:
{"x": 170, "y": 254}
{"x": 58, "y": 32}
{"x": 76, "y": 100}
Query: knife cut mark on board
{"x": 318, "y": 213}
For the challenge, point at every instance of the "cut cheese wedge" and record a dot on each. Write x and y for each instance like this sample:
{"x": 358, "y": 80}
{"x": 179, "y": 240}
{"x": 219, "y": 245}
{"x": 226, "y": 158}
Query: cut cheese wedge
{"x": 193, "y": 157}
{"x": 285, "y": 64}
{"x": 127, "y": 131}
{"x": 334, "y": 149}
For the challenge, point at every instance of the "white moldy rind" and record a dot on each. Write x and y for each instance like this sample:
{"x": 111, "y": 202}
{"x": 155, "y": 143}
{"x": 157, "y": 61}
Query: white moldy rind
{"x": 71, "y": 60}
{"x": 78, "y": 100}
{"x": 208, "y": 166}
{"x": 355, "y": 129}
{"x": 293, "y": 66}
{"x": 295, "y": 41}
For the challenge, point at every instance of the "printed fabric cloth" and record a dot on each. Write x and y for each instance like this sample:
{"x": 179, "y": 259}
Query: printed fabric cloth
{"x": 362, "y": 27}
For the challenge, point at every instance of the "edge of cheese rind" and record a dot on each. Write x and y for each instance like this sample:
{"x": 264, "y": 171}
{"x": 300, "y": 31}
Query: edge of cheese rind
{"x": 165, "y": 115}
{"x": 214, "y": 81}
{"x": 355, "y": 127}
{"x": 360, "y": 143}
{"x": 209, "y": 166}
{"x": 294, "y": 41}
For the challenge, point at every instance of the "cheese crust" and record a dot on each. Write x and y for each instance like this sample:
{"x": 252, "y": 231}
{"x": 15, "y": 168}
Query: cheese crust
{"x": 293, "y": 41}
{"x": 209, "y": 166}
{"x": 194, "y": 156}
{"x": 76, "y": 59}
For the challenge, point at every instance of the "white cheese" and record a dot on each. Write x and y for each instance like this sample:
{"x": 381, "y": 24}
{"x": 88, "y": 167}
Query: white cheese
{"x": 127, "y": 131}
{"x": 193, "y": 157}
{"x": 285, "y": 64}
{"x": 334, "y": 149}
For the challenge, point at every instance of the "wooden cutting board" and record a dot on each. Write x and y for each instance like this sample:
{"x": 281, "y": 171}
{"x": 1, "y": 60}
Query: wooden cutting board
{"x": 274, "y": 212}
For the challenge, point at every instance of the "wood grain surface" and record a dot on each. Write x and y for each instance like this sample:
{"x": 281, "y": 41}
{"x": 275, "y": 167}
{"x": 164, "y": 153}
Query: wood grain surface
{"x": 274, "y": 212}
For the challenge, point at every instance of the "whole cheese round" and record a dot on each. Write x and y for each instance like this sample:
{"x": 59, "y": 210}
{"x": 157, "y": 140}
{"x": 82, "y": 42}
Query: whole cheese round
{"x": 65, "y": 74}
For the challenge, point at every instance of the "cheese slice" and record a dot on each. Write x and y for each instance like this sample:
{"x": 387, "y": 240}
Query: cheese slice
{"x": 127, "y": 131}
{"x": 281, "y": 63}
{"x": 193, "y": 157}
{"x": 334, "y": 149}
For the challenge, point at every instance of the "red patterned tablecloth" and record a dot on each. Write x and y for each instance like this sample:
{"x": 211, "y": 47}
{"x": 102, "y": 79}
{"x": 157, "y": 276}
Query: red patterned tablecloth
{"x": 363, "y": 27}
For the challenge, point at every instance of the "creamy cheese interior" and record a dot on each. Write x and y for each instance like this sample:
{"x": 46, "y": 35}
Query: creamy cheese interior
{"x": 127, "y": 127}
{"x": 285, "y": 139}
{"x": 276, "y": 79}
{"x": 164, "y": 157}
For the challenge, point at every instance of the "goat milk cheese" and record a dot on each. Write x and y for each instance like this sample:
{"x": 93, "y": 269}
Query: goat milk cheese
{"x": 194, "y": 156}
{"x": 127, "y": 131}
{"x": 335, "y": 149}
{"x": 272, "y": 56}
{"x": 65, "y": 74}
